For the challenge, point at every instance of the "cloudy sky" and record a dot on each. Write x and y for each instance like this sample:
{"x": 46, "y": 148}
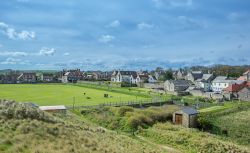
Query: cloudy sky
{"x": 124, "y": 34}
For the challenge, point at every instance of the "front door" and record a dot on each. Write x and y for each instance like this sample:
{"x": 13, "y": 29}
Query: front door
{"x": 178, "y": 119}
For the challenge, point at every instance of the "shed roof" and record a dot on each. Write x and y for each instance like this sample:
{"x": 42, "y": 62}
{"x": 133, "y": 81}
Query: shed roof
{"x": 59, "y": 107}
{"x": 189, "y": 110}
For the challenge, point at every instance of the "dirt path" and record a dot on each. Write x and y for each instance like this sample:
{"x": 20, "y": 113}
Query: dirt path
{"x": 168, "y": 149}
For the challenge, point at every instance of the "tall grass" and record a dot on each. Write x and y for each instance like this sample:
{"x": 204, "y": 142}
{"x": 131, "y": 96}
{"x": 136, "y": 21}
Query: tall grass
{"x": 27, "y": 134}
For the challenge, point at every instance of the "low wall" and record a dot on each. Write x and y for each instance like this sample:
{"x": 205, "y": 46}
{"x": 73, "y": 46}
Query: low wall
{"x": 154, "y": 85}
{"x": 177, "y": 93}
{"x": 206, "y": 94}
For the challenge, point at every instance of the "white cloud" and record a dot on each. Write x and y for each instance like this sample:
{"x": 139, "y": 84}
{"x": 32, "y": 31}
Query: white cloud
{"x": 47, "y": 51}
{"x": 172, "y": 3}
{"x": 114, "y": 24}
{"x": 13, "y": 54}
{"x": 106, "y": 38}
{"x": 66, "y": 54}
{"x": 144, "y": 25}
{"x": 11, "y": 61}
{"x": 12, "y": 34}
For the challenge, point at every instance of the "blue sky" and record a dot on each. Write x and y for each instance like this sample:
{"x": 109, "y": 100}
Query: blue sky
{"x": 123, "y": 34}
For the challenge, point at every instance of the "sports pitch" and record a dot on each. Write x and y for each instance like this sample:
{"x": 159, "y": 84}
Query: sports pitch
{"x": 61, "y": 94}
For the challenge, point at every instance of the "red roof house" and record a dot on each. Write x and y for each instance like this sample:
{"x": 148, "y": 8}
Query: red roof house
{"x": 233, "y": 88}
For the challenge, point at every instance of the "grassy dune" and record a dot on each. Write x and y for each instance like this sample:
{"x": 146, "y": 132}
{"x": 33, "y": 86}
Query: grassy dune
{"x": 25, "y": 129}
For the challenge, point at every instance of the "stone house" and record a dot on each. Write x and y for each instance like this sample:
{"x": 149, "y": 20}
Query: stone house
{"x": 194, "y": 75}
{"x": 179, "y": 75}
{"x": 205, "y": 83}
{"x": 72, "y": 76}
{"x": 186, "y": 117}
{"x": 47, "y": 77}
{"x": 176, "y": 85}
{"x": 124, "y": 76}
{"x": 244, "y": 94}
{"x": 102, "y": 76}
{"x": 27, "y": 78}
{"x": 231, "y": 92}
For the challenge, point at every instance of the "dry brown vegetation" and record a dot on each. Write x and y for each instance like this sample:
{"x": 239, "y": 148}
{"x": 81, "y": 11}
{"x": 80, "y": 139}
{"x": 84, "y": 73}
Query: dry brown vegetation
{"x": 20, "y": 132}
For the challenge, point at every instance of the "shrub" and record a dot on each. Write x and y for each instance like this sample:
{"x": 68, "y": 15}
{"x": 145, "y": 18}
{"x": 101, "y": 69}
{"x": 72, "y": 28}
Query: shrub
{"x": 123, "y": 110}
{"x": 139, "y": 120}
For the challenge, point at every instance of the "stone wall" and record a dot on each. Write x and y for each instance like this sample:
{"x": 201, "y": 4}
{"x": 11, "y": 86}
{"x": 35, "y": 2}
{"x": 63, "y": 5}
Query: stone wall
{"x": 154, "y": 85}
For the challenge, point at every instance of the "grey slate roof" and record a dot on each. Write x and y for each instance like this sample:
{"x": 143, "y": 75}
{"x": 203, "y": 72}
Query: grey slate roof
{"x": 197, "y": 74}
{"x": 128, "y": 73}
{"x": 190, "y": 111}
{"x": 180, "y": 82}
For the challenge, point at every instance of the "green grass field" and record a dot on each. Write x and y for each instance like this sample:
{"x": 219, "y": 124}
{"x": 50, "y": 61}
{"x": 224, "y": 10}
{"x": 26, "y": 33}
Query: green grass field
{"x": 60, "y": 94}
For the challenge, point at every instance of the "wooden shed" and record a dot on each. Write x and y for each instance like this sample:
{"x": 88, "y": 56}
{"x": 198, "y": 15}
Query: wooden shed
{"x": 54, "y": 109}
{"x": 186, "y": 117}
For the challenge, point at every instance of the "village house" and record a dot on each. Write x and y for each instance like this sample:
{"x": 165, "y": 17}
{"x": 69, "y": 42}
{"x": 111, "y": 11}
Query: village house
{"x": 231, "y": 92}
{"x": 194, "y": 75}
{"x": 205, "y": 83}
{"x": 176, "y": 85}
{"x": 152, "y": 79}
{"x": 179, "y": 75}
{"x": 101, "y": 76}
{"x": 124, "y": 76}
{"x": 47, "y": 77}
{"x": 2, "y": 78}
{"x": 142, "y": 78}
{"x": 27, "y": 77}
{"x": 145, "y": 78}
{"x": 186, "y": 117}
{"x": 245, "y": 76}
{"x": 72, "y": 76}
{"x": 221, "y": 82}
{"x": 10, "y": 78}
{"x": 244, "y": 94}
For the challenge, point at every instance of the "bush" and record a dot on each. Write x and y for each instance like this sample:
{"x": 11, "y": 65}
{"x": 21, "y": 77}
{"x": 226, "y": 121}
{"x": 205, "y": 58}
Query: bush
{"x": 139, "y": 120}
{"x": 14, "y": 110}
{"x": 123, "y": 110}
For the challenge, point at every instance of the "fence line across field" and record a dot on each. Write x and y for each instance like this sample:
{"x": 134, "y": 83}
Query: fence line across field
{"x": 157, "y": 101}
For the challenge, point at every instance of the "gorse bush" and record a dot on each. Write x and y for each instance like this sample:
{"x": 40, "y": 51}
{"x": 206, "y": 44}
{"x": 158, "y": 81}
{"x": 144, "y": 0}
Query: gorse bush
{"x": 123, "y": 110}
{"x": 13, "y": 110}
{"x": 128, "y": 118}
